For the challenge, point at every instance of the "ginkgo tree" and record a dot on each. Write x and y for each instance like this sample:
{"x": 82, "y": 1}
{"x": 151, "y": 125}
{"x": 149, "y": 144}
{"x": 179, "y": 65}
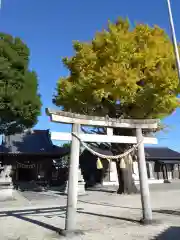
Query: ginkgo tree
{"x": 122, "y": 72}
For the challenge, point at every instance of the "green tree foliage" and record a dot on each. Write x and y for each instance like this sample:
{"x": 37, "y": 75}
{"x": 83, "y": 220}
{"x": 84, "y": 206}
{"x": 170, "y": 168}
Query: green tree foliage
{"x": 20, "y": 102}
{"x": 66, "y": 145}
{"x": 133, "y": 66}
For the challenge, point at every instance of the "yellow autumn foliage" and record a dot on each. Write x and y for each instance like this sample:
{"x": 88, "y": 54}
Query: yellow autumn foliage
{"x": 135, "y": 66}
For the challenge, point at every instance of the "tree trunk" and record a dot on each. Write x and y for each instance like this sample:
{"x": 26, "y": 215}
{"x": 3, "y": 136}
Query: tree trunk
{"x": 125, "y": 178}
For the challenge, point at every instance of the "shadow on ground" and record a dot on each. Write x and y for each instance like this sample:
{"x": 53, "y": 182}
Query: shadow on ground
{"x": 162, "y": 211}
{"x": 107, "y": 205}
{"x": 26, "y": 215}
{"x": 46, "y": 212}
{"x": 169, "y": 212}
{"x": 172, "y": 233}
{"x": 110, "y": 216}
{"x": 101, "y": 190}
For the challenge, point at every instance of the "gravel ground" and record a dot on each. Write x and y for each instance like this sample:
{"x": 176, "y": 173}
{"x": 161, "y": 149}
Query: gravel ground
{"x": 100, "y": 215}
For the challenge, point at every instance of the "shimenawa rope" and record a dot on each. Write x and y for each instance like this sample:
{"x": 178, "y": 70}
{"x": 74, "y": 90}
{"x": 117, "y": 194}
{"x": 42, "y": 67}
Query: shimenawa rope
{"x": 106, "y": 156}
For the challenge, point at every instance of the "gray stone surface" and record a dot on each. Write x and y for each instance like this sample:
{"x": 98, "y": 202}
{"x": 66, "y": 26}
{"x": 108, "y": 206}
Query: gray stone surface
{"x": 5, "y": 174}
{"x": 81, "y": 185}
{"x": 101, "y": 215}
{"x": 6, "y": 186}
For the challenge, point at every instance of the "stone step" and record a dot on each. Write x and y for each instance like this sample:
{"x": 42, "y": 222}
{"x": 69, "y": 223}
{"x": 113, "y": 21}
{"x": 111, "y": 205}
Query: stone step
{"x": 29, "y": 186}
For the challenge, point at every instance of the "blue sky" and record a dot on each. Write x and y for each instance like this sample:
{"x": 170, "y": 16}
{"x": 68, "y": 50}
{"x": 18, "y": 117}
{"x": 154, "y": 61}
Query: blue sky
{"x": 49, "y": 27}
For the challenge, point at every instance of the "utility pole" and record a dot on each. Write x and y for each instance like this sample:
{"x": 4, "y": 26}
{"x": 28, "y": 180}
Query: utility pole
{"x": 176, "y": 51}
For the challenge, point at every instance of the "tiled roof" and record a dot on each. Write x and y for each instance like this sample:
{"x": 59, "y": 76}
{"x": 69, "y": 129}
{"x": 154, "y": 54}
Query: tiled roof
{"x": 161, "y": 153}
{"x": 31, "y": 142}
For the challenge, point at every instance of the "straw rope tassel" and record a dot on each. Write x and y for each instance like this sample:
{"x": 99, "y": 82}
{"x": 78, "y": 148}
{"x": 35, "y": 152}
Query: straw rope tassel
{"x": 122, "y": 163}
{"x": 99, "y": 164}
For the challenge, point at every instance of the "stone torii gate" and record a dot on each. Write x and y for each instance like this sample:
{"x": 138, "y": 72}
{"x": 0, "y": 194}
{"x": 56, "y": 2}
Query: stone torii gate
{"x": 76, "y": 136}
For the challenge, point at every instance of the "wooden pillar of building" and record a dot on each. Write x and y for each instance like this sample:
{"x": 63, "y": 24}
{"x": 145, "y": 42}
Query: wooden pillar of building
{"x": 166, "y": 172}
{"x": 151, "y": 170}
{"x": 172, "y": 170}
